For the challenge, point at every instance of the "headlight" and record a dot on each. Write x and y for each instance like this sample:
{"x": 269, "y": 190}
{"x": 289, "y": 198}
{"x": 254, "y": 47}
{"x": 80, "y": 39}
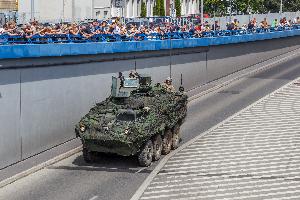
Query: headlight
{"x": 82, "y": 128}
{"x": 126, "y": 131}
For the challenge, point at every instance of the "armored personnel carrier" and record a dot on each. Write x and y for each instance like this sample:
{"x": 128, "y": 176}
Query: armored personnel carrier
{"x": 137, "y": 119}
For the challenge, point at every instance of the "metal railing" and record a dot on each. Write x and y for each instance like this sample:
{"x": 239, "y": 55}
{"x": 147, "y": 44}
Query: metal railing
{"x": 6, "y": 39}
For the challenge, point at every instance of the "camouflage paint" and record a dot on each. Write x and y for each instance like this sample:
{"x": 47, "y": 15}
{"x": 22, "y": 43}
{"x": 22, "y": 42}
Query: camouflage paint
{"x": 156, "y": 110}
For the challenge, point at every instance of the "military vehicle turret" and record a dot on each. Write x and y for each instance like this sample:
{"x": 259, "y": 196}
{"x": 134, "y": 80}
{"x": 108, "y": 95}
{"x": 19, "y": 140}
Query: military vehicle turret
{"x": 137, "y": 119}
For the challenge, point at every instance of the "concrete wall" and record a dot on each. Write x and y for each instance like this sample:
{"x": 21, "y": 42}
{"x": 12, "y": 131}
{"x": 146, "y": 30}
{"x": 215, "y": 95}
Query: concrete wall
{"x": 223, "y": 60}
{"x": 10, "y": 138}
{"x": 41, "y": 104}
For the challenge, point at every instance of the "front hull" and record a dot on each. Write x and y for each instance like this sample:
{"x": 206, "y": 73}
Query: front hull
{"x": 108, "y": 146}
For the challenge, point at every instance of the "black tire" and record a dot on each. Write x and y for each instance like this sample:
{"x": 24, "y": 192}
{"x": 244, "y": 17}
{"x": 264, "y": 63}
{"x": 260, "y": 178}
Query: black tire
{"x": 88, "y": 156}
{"x": 145, "y": 154}
{"x": 157, "y": 147}
{"x": 176, "y": 137}
{"x": 167, "y": 142}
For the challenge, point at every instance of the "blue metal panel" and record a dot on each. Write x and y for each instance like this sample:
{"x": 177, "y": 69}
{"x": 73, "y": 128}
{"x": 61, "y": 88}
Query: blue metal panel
{"x": 49, "y": 49}
{"x": 148, "y": 45}
{"x": 63, "y": 49}
{"x": 165, "y": 44}
{"x": 176, "y": 44}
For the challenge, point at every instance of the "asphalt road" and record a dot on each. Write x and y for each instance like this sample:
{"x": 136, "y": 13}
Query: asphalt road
{"x": 117, "y": 178}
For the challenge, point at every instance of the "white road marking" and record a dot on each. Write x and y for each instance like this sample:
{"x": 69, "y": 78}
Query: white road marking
{"x": 140, "y": 170}
{"x": 94, "y": 198}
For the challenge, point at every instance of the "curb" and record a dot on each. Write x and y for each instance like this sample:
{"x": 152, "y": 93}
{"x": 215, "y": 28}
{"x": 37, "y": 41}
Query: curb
{"x": 39, "y": 167}
{"x": 162, "y": 163}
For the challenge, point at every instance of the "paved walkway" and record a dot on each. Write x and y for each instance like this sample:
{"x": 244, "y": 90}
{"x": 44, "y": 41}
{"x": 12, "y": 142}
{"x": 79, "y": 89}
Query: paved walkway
{"x": 253, "y": 155}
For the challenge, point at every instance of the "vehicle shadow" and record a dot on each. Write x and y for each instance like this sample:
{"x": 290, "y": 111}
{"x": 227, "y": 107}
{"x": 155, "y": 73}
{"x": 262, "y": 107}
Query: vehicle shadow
{"x": 106, "y": 163}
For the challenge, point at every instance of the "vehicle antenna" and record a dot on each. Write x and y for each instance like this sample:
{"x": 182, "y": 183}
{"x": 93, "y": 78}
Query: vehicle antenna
{"x": 170, "y": 35}
{"x": 181, "y": 88}
{"x": 181, "y": 80}
{"x": 134, "y": 63}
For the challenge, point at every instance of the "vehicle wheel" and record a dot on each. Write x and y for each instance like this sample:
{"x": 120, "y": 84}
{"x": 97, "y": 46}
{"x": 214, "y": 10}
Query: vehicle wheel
{"x": 167, "y": 142}
{"x": 176, "y": 137}
{"x": 184, "y": 111}
{"x": 145, "y": 155}
{"x": 157, "y": 147}
{"x": 88, "y": 156}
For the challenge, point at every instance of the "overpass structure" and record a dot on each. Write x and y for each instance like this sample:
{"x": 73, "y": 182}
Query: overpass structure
{"x": 45, "y": 89}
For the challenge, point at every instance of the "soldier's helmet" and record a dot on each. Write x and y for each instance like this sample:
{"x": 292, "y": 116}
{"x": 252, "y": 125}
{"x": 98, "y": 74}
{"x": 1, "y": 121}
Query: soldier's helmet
{"x": 169, "y": 80}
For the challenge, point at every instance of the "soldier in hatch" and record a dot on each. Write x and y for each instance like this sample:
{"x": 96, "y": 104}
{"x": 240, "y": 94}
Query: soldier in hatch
{"x": 168, "y": 85}
{"x": 134, "y": 74}
{"x": 121, "y": 77}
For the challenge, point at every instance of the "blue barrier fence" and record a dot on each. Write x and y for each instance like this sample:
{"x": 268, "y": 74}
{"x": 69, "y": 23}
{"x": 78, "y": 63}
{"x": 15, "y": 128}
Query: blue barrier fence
{"x": 68, "y": 38}
{"x": 153, "y": 43}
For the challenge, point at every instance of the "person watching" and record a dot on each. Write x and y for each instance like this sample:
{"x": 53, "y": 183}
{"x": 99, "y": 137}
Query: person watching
{"x": 111, "y": 28}
{"x": 264, "y": 24}
{"x": 117, "y": 29}
{"x": 1, "y": 29}
{"x": 216, "y": 26}
{"x": 275, "y": 24}
{"x": 251, "y": 25}
{"x": 95, "y": 25}
{"x": 236, "y": 24}
{"x": 28, "y": 31}
{"x": 86, "y": 32}
{"x": 230, "y": 26}
{"x": 167, "y": 85}
{"x": 74, "y": 30}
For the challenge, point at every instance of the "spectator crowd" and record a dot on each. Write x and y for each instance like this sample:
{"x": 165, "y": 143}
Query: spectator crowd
{"x": 235, "y": 24}
{"x": 132, "y": 30}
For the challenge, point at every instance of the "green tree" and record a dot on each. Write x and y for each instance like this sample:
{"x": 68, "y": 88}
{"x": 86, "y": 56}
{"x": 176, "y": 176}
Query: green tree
{"x": 178, "y": 8}
{"x": 162, "y": 11}
{"x": 159, "y": 8}
{"x": 156, "y": 8}
{"x": 249, "y": 6}
{"x": 274, "y": 5}
{"x": 219, "y": 7}
{"x": 257, "y": 6}
{"x": 291, "y": 6}
{"x": 246, "y": 6}
{"x": 143, "y": 9}
{"x": 270, "y": 6}
{"x": 265, "y": 6}
{"x": 242, "y": 6}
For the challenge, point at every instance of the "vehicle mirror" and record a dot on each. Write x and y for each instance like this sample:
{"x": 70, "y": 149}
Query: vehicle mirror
{"x": 146, "y": 109}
